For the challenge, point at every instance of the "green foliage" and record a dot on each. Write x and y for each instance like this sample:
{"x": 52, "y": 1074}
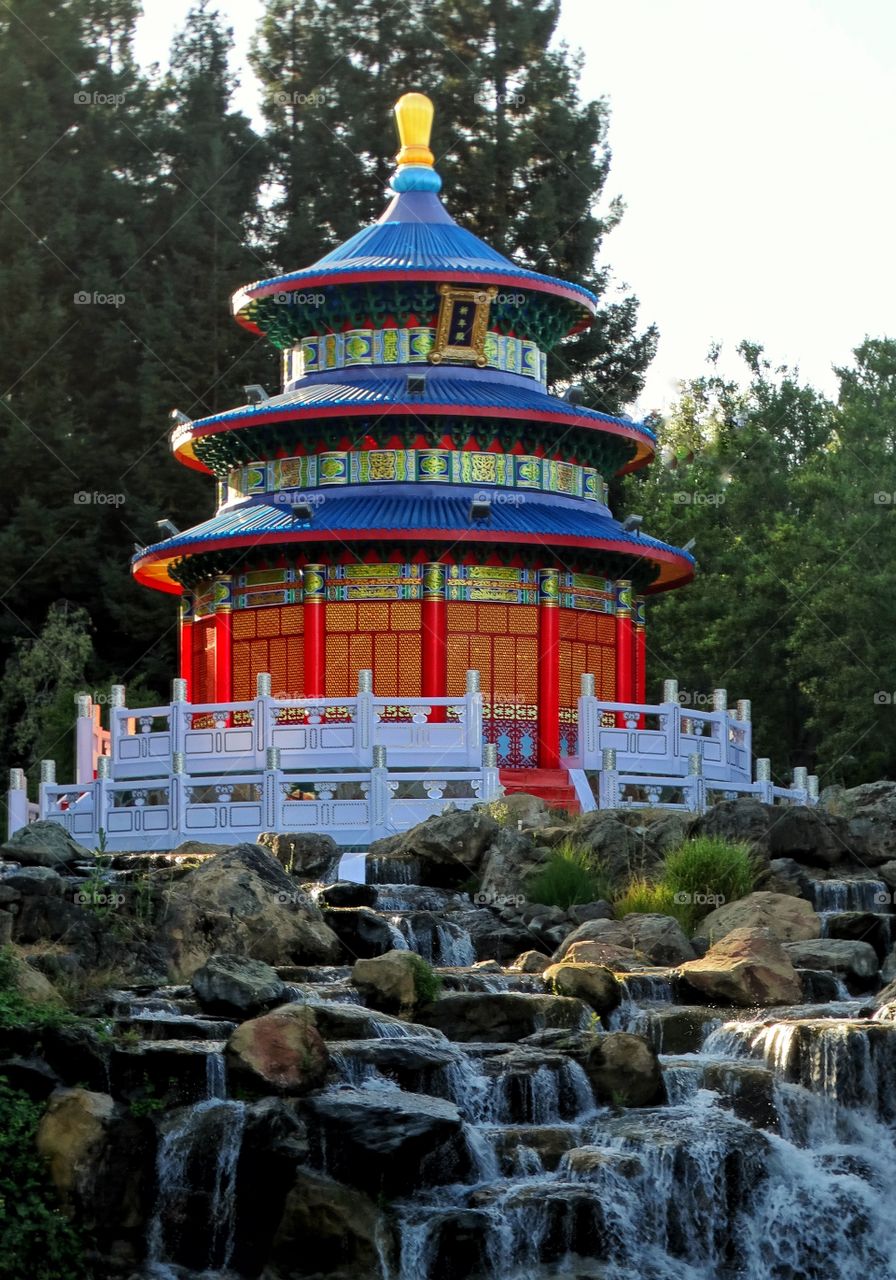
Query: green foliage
{"x": 36, "y": 1239}
{"x": 15, "y": 1010}
{"x": 569, "y": 877}
{"x": 427, "y": 983}
{"x": 692, "y": 880}
{"x": 645, "y": 896}
{"x": 150, "y": 1100}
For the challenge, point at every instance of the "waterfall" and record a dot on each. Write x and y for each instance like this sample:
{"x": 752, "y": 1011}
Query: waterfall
{"x": 195, "y": 1213}
{"x": 834, "y": 896}
{"x": 215, "y": 1075}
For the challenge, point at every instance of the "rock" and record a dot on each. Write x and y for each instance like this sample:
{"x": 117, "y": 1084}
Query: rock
{"x": 388, "y": 1144}
{"x": 747, "y": 967}
{"x": 858, "y": 959}
{"x": 605, "y": 953}
{"x": 492, "y": 937}
{"x": 657, "y": 938}
{"x": 389, "y": 981}
{"x": 888, "y": 968}
{"x": 335, "y": 1230}
{"x": 308, "y": 855}
{"x": 6, "y": 923}
{"x": 37, "y": 882}
{"x": 30, "y": 1075}
{"x": 236, "y": 984}
{"x": 497, "y": 1017}
{"x": 790, "y": 919}
{"x": 607, "y": 932}
{"x": 623, "y": 1069}
{"x": 337, "y": 1021}
{"x": 592, "y": 983}
{"x": 787, "y": 876}
{"x": 101, "y": 1162}
{"x": 862, "y": 926}
{"x": 346, "y": 893}
{"x": 448, "y": 847}
{"x": 550, "y": 837}
{"x": 509, "y": 864}
{"x": 681, "y": 1028}
{"x": 599, "y": 910}
{"x": 745, "y": 820}
{"x": 362, "y": 931}
{"x": 281, "y": 1051}
{"x": 811, "y": 836}
{"x": 274, "y": 1142}
{"x": 241, "y": 902}
{"x": 530, "y": 962}
{"x": 520, "y": 811}
{"x": 44, "y": 844}
{"x": 31, "y": 985}
{"x": 198, "y": 848}
{"x": 624, "y": 842}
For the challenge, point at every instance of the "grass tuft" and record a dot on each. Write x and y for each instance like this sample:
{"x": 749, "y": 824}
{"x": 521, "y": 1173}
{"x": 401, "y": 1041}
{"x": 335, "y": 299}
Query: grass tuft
{"x": 571, "y": 876}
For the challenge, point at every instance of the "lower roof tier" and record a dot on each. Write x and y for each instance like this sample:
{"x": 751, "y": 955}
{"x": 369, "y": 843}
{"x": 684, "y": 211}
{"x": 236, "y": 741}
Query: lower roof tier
{"x": 429, "y": 394}
{"x": 407, "y": 513}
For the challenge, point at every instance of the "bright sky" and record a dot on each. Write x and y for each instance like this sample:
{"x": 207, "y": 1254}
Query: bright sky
{"x": 753, "y": 146}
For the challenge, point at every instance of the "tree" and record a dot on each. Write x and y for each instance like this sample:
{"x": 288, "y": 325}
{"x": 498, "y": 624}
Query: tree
{"x": 523, "y": 159}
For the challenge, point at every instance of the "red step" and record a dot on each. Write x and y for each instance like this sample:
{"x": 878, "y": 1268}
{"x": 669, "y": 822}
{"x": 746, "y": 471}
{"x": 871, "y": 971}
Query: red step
{"x": 550, "y": 785}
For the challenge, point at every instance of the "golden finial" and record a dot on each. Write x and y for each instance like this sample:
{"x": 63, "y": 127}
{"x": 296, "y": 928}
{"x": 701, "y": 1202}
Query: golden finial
{"x": 413, "y": 114}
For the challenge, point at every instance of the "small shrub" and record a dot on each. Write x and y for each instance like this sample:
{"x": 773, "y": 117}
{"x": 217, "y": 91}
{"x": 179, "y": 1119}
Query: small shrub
{"x": 427, "y": 983}
{"x": 707, "y": 872}
{"x": 15, "y": 1010}
{"x": 570, "y": 877}
{"x": 645, "y": 896}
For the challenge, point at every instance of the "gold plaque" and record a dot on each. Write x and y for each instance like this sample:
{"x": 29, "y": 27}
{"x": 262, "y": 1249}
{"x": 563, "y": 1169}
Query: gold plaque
{"x": 462, "y": 325}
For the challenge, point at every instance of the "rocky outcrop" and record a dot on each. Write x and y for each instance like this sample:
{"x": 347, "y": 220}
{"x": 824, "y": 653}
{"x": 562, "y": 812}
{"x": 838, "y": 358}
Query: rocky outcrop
{"x": 593, "y": 983}
{"x": 280, "y": 1052}
{"x": 648, "y": 937}
{"x": 448, "y": 848}
{"x": 337, "y": 1231}
{"x": 747, "y": 967}
{"x": 499, "y": 1017}
{"x": 531, "y": 962}
{"x": 236, "y": 984}
{"x": 511, "y": 861}
{"x": 390, "y": 981}
{"x": 244, "y": 903}
{"x": 857, "y": 959}
{"x": 624, "y": 1070}
{"x": 790, "y": 919}
{"x": 629, "y": 843}
{"x": 308, "y": 855}
{"x": 44, "y": 844}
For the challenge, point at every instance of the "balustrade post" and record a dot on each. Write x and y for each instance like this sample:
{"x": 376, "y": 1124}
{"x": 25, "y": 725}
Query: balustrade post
{"x": 117, "y": 723}
{"x": 380, "y": 795}
{"x": 588, "y": 730}
{"x": 764, "y": 778}
{"x": 16, "y": 802}
{"x": 800, "y": 783}
{"x": 272, "y": 790}
{"x": 177, "y": 716}
{"x": 84, "y": 736}
{"x": 491, "y": 780}
{"x": 47, "y": 779}
{"x": 263, "y": 717}
{"x": 473, "y": 720}
{"x": 101, "y": 798}
{"x": 696, "y": 783}
{"x": 366, "y": 726}
{"x": 608, "y": 781}
{"x": 812, "y": 789}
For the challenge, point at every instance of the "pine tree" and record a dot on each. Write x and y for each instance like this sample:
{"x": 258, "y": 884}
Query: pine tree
{"x": 524, "y": 160}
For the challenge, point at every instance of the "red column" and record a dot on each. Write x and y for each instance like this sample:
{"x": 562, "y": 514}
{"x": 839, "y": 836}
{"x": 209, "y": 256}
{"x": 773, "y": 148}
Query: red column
{"x": 625, "y": 648}
{"x": 434, "y": 639}
{"x": 314, "y": 581}
{"x": 185, "y": 643}
{"x": 640, "y": 629}
{"x": 548, "y": 668}
{"x": 223, "y": 639}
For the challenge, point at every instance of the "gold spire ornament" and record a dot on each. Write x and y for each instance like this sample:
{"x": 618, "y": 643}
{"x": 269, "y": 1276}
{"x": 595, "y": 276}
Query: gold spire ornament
{"x": 413, "y": 115}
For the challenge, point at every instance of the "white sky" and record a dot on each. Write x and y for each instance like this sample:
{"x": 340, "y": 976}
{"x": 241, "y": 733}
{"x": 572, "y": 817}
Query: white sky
{"x": 753, "y": 145}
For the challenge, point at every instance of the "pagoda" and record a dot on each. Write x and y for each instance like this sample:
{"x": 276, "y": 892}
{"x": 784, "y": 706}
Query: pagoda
{"x": 415, "y": 502}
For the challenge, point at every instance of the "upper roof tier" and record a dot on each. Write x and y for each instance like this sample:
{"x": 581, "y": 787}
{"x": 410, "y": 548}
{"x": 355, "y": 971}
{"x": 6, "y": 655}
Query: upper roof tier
{"x": 415, "y": 239}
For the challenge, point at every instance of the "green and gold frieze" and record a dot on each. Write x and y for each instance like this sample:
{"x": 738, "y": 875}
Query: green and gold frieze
{"x": 433, "y": 466}
{"x": 360, "y": 348}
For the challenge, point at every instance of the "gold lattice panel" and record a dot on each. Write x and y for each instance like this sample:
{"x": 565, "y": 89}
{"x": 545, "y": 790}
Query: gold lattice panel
{"x": 242, "y": 671}
{"x": 522, "y": 619}
{"x": 492, "y": 618}
{"x": 458, "y": 662}
{"x": 385, "y": 665}
{"x": 372, "y": 617}
{"x": 360, "y": 655}
{"x": 292, "y": 619}
{"x": 267, "y": 622}
{"x": 342, "y": 617}
{"x": 295, "y": 660}
{"x": 527, "y": 669}
{"x": 243, "y": 625}
{"x": 336, "y": 663}
{"x": 606, "y": 630}
{"x": 405, "y": 616}
{"x": 410, "y": 675}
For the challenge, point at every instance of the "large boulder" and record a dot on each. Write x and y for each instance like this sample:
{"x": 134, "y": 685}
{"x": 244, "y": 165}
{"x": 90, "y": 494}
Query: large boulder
{"x": 336, "y": 1231}
{"x": 499, "y": 1017}
{"x": 787, "y": 876}
{"x": 37, "y": 882}
{"x": 509, "y": 864}
{"x": 870, "y": 813}
{"x": 44, "y": 844}
{"x": 621, "y": 959}
{"x": 29, "y": 983}
{"x": 388, "y": 1143}
{"x": 244, "y": 903}
{"x": 649, "y": 937}
{"x": 390, "y": 981}
{"x": 308, "y": 855}
{"x": 362, "y": 931}
{"x": 281, "y": 1051}
{"x": 811, "y": 836}
{"x": 336, "y": 1021}
{"x": 790, "y": 919}
{"x": 747, "y": 967}
{"x": 623, "y": 1069}
{"x": 742, "y": 821}
{"x": 521, "y": 812}
{"x": 593, "y": 983}
{"x": 445, "y": 850}
{"x": 607, "y": 932}
{"x": 100, "y": 1159}
{"x": 629, "y": 843}
{"x": 839, "y": 955}
{"x": 236, "y": 984}
{"x": 863, "y": 926}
